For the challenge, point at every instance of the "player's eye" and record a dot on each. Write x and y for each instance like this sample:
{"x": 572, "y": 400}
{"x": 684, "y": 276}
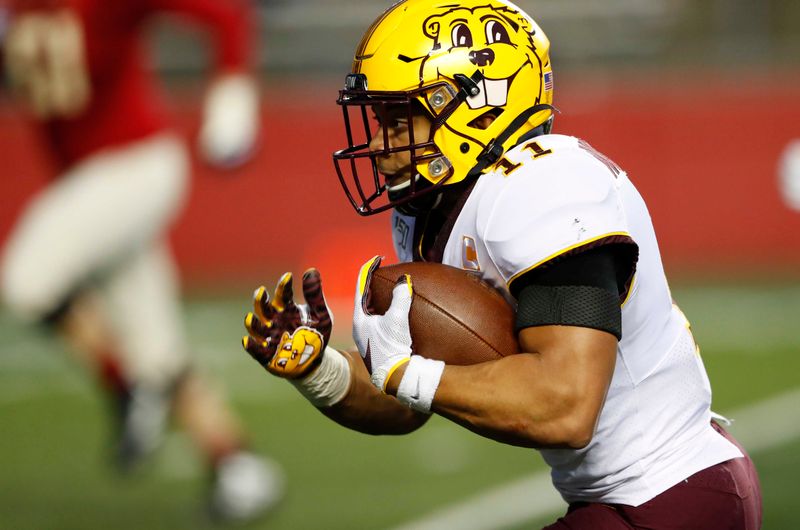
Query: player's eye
{"x": 461, "y": 36}
{"x": 496, "y": 32}
{"x": 395, "y": 123}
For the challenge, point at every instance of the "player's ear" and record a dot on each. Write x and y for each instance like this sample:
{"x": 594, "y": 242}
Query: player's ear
{"x": 483, "y": 121}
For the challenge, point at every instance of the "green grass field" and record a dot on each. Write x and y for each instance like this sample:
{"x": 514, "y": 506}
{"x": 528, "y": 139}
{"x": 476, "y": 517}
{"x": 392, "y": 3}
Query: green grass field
{"x": 54, "y": 471}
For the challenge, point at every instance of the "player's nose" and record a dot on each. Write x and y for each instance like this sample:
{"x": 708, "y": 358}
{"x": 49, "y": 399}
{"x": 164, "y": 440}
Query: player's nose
{"x": 376, "y": 143}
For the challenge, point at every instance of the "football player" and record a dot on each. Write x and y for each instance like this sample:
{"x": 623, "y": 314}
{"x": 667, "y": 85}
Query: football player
{"x": 89, "y": 257}
{"x": 448, "y": 114}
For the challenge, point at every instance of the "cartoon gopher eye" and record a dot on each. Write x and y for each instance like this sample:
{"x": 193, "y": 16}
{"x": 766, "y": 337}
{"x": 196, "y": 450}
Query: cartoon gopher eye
{"x": 496, "y": 32}
{"x": 461, "y": 36}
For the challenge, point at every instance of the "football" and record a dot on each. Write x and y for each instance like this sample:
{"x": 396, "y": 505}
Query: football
{"x": 455, "y": 316}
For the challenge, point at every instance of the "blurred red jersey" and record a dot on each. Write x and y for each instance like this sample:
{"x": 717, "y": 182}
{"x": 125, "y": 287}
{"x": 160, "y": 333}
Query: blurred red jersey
{"x": 124, "y": 102}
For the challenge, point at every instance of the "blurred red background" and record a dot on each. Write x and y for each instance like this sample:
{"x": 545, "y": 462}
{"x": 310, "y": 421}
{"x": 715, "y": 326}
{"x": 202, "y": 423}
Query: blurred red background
{"x": 702, "y": 150}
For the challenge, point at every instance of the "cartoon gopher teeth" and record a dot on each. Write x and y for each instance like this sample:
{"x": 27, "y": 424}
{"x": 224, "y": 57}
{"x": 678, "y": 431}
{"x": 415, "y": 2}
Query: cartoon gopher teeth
{"x": 494, "y": 92}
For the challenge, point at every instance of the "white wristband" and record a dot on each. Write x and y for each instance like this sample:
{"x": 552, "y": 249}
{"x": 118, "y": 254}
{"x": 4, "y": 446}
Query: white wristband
{"x": 419, "y": 383}
{"x": 329, "y": 382}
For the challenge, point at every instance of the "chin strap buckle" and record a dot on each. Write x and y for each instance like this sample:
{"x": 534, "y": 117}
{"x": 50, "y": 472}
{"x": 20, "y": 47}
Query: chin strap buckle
{"x": 491, "y": 154}
{"x": 470, "y": 86}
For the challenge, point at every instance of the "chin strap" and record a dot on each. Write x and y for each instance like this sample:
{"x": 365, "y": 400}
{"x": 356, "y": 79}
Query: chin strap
{"x": 492, "y": 152}
{"x": 544, "y": 128}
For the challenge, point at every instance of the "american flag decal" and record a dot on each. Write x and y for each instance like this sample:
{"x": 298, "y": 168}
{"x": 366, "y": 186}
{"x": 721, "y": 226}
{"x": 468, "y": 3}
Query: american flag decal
{"x": 548, "y": 80}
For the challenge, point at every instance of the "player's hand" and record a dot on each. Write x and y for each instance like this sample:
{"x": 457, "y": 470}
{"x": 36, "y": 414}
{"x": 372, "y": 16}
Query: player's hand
{"x": 384, "y": 341}
{"x": 286, "y": 338}
{"x": 231, "y": 120}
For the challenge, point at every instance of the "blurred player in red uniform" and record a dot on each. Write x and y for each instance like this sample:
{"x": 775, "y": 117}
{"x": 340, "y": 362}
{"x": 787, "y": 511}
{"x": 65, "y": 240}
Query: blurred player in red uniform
{"x": 89, "y": 254}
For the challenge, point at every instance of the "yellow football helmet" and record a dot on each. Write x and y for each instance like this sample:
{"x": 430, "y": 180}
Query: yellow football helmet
{"x": 458, "y": 62}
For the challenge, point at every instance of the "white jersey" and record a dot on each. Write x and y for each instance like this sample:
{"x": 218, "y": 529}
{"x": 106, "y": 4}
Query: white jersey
{"x": 554, "y": 194}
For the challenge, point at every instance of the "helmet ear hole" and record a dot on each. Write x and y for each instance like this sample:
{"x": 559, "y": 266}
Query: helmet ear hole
{"x": 483, "y": 121}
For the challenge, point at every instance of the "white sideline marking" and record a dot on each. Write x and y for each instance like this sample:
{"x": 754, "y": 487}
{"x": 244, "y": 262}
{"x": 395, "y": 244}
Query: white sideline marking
{"x": 500, "y": 507}
{"x": 759, "y": 427}
{"x": 769, "y": 423}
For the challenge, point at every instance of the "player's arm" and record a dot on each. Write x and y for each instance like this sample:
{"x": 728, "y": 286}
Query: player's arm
{"x": 229, "y": 23}
{"x": 365, "y": 409}
{"x": 550, "y": 395}
{"x": 291, "y": 342}
{"x": 231, "y": 116}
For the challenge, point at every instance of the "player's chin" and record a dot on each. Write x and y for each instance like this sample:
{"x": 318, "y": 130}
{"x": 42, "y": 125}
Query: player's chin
{"x": 396, "y": 181}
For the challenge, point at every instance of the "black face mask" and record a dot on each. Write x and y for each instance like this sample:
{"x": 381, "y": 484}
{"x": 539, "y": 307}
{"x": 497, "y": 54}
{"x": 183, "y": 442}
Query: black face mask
{"x": 356, "y": 164}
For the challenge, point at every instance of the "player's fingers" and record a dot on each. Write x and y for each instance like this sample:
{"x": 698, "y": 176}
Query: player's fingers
{"x": 402, "y": 294}
{"x": 284, "y": 293}
{"x": 364, "y": 279}
{"x": 255, "y": 327}
{"x": 261, "y": 306}
{"x": 312, "y": 289}
{"x": 318, "y": 307}
{"x": 258, "y": 350}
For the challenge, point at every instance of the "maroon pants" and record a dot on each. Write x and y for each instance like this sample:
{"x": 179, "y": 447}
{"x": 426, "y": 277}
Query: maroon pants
{"x": 726, "y": 496}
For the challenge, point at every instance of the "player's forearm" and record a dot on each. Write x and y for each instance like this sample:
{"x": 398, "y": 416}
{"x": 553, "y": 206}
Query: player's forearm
{"x": 513, "y": 400}
{"x": 365, "y": 409}
{"x": 523, "y": 400}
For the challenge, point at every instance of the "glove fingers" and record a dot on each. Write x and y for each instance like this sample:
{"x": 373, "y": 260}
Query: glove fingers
{"x": 256, "y": 328}
{"x": 259, "y": 350}
{"x": 284, "y": 293}
{"x": 402, "y": 294}
{"x": 261, "y": 305}
{"x": 364, "y": 279}
{"x": 317, "y": 306}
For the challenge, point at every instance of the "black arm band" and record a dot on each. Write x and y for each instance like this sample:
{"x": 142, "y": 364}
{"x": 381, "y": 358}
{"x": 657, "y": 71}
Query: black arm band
{"x": 569, "y": 305}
